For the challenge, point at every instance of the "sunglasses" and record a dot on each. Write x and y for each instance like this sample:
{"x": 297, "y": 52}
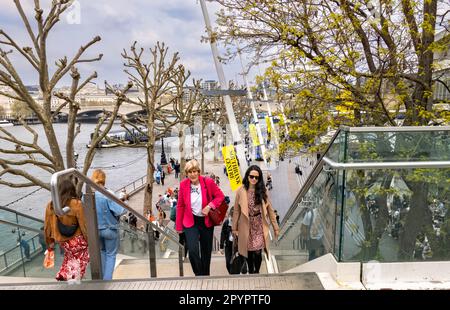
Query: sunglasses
{"x": 255, "y": 177}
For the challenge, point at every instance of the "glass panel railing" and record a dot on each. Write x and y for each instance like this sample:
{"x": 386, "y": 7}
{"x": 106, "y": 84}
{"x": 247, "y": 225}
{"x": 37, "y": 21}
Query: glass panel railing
{"x": 392, "y": 146}
{"x": 22, "y": 245}
{"x": 167, "y": 258}
{"x": 133, "y": 241}
{"x": 397, "y": 215}
{"x": 132, "y": 260}
{"x": 336, "y": 149}
{"x": 134, "y": 253}
{"x": 29, "y": 222}
{"x": 374, "y": 210}
{"x": 311, "y": 229}
{"x": 25, "y": 258}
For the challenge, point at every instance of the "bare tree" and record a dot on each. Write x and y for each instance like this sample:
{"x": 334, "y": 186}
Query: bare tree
{"x": 21, "y": 152}
{"x": 188, "y": 104}
{"x": 158, "y": 81}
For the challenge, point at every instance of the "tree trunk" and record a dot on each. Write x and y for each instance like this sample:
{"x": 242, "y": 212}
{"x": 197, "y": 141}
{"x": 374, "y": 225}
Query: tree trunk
{"x": 419, "y": 215}
{"x": 181, "y": 149}
{"x": 150, "y": 167}
{"x": 53, "y": 144}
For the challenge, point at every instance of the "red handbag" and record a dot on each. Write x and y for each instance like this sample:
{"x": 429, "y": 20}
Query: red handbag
{"x": 217, "y": 215}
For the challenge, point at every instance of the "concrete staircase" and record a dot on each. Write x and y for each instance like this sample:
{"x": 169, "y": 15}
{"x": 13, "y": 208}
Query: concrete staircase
{"x": 137, "y": 268}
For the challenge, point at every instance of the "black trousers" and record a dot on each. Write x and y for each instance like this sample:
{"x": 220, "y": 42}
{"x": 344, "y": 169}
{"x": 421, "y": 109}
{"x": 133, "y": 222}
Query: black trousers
{"x": 199, "y": 240}
{"x": 228, "y": 254}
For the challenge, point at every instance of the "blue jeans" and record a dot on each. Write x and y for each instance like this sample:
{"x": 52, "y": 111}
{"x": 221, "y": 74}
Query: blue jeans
{"x": 109, "y": 245}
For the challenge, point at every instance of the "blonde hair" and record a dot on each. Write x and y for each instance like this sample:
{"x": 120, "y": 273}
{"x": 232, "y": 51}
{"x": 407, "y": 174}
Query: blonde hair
{"x": 99, "y": 177}
{"x": 192, "y": 165}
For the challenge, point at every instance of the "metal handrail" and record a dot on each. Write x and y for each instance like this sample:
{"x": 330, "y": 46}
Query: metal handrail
{"x": 390, "y": 165}
{"x": 395, "y": 129}
{"x": 135, "y": 189}
{"x": 22, "y": 214}
{"x": 72, "y": 171}
{"x": 91, "y": 216}
{"x": 19, "y": 225}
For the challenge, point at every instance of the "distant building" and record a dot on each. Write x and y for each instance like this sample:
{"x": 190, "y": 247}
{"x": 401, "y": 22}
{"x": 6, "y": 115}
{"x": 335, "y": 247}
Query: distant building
{"x": 442, "y": 63}
{"x": 210, "y": 85}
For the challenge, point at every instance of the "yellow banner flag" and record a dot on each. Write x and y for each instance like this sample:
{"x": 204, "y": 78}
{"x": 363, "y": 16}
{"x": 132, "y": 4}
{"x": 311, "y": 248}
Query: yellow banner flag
{"x": 231, "y": 163}
{"x": 269, "y": 129}
{"x": 281, "y": 120}
{"x": 254, "y": 134}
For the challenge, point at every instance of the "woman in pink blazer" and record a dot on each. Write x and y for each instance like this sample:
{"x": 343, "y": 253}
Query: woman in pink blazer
{"x": 197, "y": 196}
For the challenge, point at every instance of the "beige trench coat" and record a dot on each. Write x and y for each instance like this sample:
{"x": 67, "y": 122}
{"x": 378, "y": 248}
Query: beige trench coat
{"x": 241, "y": 221}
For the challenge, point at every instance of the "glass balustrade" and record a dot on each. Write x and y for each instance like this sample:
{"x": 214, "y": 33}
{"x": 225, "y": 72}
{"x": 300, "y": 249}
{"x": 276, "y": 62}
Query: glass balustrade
{"x": 388, "y": 214}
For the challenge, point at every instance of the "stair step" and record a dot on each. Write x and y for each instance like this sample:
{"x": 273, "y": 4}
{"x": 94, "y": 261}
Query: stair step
{"x": 168, "y": 268}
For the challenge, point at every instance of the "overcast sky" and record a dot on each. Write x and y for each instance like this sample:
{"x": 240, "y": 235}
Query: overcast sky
{"x": 179, "y": 23}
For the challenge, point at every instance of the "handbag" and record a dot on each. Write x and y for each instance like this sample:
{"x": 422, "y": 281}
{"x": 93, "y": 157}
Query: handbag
{"x": 238, "y": 265}
{"x": 66, "y": 230}
{"x": 49, "y": 259}
{"x": 217, "y": 215}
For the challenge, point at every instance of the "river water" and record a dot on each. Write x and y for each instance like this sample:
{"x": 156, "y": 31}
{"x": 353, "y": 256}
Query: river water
{"x": 121, "y": 164}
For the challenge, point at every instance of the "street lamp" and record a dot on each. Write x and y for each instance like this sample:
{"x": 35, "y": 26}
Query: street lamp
{"x": 163, "y": 154}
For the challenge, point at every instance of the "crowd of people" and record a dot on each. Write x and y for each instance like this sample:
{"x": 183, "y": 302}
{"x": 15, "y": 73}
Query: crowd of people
{"x": 188, "y": 206}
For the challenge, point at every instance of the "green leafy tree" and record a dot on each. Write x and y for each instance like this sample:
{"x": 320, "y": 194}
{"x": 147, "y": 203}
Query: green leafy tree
{"x": 365, "y": 63}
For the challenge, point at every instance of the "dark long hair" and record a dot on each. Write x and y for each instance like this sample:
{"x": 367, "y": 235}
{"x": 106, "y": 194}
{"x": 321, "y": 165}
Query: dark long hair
{"x": 67, "y": 191}
{"x": 260, "y": 188}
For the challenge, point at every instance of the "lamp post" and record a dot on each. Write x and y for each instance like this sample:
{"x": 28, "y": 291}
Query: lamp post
{"x": 163, "y": 154}
{"x": 227, "y": 99}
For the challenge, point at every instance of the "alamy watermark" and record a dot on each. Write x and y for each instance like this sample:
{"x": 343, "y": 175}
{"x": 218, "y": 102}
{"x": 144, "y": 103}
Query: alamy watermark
{"x": 73, "y": 13}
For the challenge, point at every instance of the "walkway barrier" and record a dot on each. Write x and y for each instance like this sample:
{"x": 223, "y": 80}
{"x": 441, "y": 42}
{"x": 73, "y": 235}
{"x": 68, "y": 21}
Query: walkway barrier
{"x": 145, "y": 238}
{"x": 377, "y": 193}
{"x": 134, "y": 186}
{"x": 20, "y": 241}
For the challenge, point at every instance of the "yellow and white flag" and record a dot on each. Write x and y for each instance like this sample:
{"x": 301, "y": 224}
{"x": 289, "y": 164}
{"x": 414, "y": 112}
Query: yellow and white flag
{"x": 269, "y": 128}
{"x": 282, "y": 122}
{"x": 231, "y": 163}
{"x": 254, "y": 135}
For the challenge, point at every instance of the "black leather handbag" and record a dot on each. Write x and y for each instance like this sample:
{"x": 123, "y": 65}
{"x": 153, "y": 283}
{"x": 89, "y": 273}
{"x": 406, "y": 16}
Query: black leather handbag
{"x": 67, "y": 230}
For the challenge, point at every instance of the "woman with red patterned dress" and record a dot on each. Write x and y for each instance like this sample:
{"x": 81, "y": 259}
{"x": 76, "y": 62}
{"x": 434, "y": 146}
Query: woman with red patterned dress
{"x": 69, "y": 231}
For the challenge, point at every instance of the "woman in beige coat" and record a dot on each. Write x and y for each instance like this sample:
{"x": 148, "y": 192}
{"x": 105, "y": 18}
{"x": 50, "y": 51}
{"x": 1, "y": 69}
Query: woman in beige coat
{"x": 251, "y": 217}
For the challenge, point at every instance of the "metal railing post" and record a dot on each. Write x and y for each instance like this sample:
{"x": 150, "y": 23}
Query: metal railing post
{"x": 93, "y": 240}
{"x": 180, "y": 260}
{"x": 151, "y": 250}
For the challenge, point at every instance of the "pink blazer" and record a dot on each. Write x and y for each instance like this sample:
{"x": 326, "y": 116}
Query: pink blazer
{"x": 185, "y": 218}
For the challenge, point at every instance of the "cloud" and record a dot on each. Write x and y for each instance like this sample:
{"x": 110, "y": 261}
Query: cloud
{"x": 179, "y": 23}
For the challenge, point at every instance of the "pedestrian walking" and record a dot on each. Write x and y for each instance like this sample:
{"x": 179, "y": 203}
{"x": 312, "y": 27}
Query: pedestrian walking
{"x": 157, "y": 176}
{"x": 42, "y": 239}
{"x": 177, "y": 169}
{"x": 226, "y": 239}
{"x": 25, "y": 248}
{"x": 269, "y": 182}
{"x": 163, "y": 176}
{"x": 197, "y": 196}
{"x": 69, "y": 231}
{"x": 253, "y": 213}
{"x": 108, "y": 219}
